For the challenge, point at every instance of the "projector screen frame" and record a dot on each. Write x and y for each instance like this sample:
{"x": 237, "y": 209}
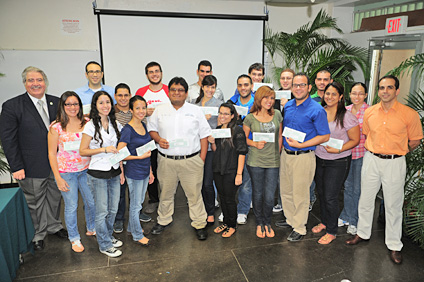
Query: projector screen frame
{"x": 99, "y": 12}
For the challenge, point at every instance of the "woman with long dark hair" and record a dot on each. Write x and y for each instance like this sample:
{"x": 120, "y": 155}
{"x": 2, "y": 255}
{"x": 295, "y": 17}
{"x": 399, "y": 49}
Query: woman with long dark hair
{"x": 138, "y": 170}
{"x": 206, "y": 99}
{"x": 332, "y": 164}
{"x": 263, "y": 160}
{"x": 352, "y": 185}
{"x": 69, "y": 168}
{"x": 228, "y": 162}
{"x": 99, "y": 140}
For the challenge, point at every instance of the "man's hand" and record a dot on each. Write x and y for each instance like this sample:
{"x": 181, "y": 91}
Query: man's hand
{"x": 163, "y": 143}
{"x": 150, "y": 111}
{"x": 19, "y": 175}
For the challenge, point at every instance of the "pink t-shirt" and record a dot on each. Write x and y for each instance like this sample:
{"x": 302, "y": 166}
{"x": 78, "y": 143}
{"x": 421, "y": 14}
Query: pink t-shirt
{"x": 69, "y": 161}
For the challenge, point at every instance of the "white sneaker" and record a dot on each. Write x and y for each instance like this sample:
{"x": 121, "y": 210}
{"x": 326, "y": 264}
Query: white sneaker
{"x": 221, "y": 217}
{"x": 116, "y": 243}
{"x": 277, "y": 208}
{"x": 351, "y": 229}
{"x": 241, "y": 218}
{"x": 112, "y": 252}
{"x": 342, "y": 222}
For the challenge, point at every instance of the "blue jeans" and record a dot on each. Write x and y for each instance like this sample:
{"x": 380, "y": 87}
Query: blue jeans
{"x": 245, "y": 193}
{"x": 264, "y": 183}
{"x": 106, "y": 196}
{"x": 329, "y": 178}
{"x": 77, "y": 181}
{"x": 137, "y": 190}
{"x": 312, "y": 196}
{"x": 352, "y": 193}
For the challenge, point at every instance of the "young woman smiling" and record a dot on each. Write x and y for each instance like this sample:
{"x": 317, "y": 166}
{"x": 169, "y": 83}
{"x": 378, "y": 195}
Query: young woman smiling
{"x": 206, "y": 99}
{"x": 332, "y": 164}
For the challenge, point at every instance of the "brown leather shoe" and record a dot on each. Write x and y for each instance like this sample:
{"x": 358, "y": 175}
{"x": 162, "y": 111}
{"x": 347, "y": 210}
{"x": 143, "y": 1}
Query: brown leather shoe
{"x": 354, "y": 240}
{"x": 396, "y": 256}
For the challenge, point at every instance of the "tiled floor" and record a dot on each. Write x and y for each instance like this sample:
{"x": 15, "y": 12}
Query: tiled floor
{"x": 176, "y": 255}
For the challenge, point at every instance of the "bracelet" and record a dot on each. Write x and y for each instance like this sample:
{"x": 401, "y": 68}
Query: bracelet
{"x": 339, "y": 151}
{"x": 105, "y": 150}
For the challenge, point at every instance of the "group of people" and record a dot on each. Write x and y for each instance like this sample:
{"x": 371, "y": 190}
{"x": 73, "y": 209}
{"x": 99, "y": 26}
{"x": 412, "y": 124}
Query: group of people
{"x": 248, "y": 149}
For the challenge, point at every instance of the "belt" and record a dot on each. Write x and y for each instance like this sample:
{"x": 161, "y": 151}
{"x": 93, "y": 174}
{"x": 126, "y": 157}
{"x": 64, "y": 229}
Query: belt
{"x": 297, "y": 152}
{"x": 178, "y": 157}
{"x": 386, "y": 157}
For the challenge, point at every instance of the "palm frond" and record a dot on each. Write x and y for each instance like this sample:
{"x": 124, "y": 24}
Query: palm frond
{"x": 407, "y": 66}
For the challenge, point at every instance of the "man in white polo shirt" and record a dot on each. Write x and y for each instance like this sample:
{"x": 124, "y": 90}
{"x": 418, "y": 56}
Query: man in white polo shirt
{"x": 181, "y": 130}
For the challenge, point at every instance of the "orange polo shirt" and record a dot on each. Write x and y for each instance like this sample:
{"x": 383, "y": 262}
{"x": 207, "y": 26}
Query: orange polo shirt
{"x": 388, "y": 133}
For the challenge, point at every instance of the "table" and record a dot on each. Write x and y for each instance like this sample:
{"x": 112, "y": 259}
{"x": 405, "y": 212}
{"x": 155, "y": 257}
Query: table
{"x": 16, "y": 232}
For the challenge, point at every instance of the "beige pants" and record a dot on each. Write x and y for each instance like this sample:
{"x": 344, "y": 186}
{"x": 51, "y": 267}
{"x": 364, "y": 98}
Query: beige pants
{"x": 391, "y": 174}
{"x": 296, "y": 175}
{"x": 189, "y": 173}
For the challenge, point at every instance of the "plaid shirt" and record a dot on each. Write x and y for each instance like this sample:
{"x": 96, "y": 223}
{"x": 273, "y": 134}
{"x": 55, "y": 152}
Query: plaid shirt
{"x": 359, "y": 151}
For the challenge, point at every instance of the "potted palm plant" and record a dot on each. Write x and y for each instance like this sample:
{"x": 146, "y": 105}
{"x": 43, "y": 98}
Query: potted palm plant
{"x": 309, "y": 50}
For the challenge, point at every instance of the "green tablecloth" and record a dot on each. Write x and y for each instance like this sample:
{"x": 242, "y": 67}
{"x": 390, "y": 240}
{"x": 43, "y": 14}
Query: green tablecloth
{"x": 16, "y": 231}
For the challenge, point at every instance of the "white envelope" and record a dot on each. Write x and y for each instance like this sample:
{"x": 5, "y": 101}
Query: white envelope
{"x": 333, "y": 142}
{"x": 86, "y": 109}
{"x": 146, "y": 147}
{"x": 286, "y": 94}
{"x": 256, "y": 86}
{"x": 294, "y": 134}
{"x": 210, "y": 110}
{"x": 72, "y": 145}
{"x": 155, "y": 104}
{"x": 221, "y": 133}
{"x": 267, "y": 137}
{"x": 243, "y": 111}
{"x": 122, "y": 154}
{"x": 178, "y": 143}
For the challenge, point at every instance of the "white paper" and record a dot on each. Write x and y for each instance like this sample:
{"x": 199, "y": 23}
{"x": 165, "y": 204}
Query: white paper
{"x": 146, "y": 147}
{"x": 221, "y": 133}
{"x": 294, "y": 134}
{"x": 72, "y": 146}
{"x": 267, "y": 137}
{"x": 333, "y": 142}
{"x": 122, "y": 154}
{"x": 154, "y": 104}
{"x": 286, "y": 94}
{"x": 178, "y": 143}
{"x": 243, "y": 111}
{"x": 256, "y": 86}
{"x": 210, "y": 110}
{"x": 86, "y": 109}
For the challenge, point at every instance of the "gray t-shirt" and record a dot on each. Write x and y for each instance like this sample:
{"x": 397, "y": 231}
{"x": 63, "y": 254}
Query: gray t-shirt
{"x": 269, "y": 156}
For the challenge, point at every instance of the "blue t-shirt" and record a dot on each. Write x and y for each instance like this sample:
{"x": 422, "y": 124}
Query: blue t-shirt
{"x": 135, "y": 169}
{"x": 309, "y": 117}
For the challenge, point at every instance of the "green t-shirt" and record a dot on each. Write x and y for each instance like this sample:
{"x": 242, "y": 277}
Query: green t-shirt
{"x": 269, "y": 156}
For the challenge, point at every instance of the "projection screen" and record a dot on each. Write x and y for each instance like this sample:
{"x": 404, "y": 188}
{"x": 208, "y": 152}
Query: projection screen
{"x": 131, "y": 39}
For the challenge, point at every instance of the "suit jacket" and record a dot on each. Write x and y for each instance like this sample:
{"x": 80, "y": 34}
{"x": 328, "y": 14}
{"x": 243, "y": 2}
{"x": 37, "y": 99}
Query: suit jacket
{"x": 24, "y": 135}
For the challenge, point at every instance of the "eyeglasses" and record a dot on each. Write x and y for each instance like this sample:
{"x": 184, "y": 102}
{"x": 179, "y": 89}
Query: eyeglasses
{"x": 301, "y": 85}
{"x": 70, "y": 105}
{"x": 123, "y": 95}
{"x": 94, "y": 72}
{"x": 357, "y": 94}
{"x": 179, "y": 90}
{"x": 224, "y": 114}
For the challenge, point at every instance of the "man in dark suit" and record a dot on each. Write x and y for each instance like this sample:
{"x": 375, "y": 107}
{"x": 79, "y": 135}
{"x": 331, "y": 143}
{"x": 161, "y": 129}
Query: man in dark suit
{"x": 24, "y": 125}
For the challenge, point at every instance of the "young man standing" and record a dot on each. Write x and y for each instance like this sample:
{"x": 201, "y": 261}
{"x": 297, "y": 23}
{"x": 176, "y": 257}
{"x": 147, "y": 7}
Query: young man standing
{"x": 321, "y": 81}
{"x": 155, "y": 93}
{"x": 94, "y": 75}
{"x": 204, "y": 68}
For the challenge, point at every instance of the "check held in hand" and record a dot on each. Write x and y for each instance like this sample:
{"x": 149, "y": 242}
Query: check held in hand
{"x": 221, "y": 133}
{"x": 333, "y": 142}
{"x": 122, "y": 154}
{"x": 267, "y": 137}
{"x": 145, "y": 148}
{"x": 294, "y": 134}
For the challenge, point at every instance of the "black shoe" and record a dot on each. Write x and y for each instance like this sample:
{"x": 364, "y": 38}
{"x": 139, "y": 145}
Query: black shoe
{"x": 144, "y": 217}
{"x": 157, "y": 229}
{"x": 202, "y": 234}
{"x": 62, "y": 233}
{"x": 282, "y": 223}
{"x": 294, "y": 236}
{"x": 38, "y": 245}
